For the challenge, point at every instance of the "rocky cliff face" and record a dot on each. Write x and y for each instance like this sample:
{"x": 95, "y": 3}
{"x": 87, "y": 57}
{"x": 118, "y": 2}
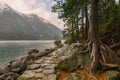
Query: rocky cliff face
{"x": 17, "y": 26}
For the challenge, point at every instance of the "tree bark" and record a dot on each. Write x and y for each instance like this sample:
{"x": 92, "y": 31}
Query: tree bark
{"x": 82, "y": 21}
{"x": 94, "y": 36}
{"x": 86, "y": 23}
{"x": 98, "y": 50}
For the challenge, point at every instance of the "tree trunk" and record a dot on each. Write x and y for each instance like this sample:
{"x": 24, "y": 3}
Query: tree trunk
{"x": 72, "y": 32}
{"x": 77, "y": 29}
{"x": 94, "y": 36}
{"x": 86, "y": 23}
{"x": 82, "y": 21}
{"x": 98, "y": 50}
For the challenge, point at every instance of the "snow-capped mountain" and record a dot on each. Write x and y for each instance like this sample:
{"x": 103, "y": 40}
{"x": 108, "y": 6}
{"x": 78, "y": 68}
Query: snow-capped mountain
{"x": 18, "y": 26}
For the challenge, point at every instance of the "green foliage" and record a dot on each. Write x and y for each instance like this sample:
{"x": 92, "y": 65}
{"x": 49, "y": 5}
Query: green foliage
{"x": 74, "y": 12}
{"x": 118, "y": 52}
{"x": 68, "y": 40}
{"x": 109, "y": 22}
{"x": 58, "y": 43}
{"x": 70, "y": 11}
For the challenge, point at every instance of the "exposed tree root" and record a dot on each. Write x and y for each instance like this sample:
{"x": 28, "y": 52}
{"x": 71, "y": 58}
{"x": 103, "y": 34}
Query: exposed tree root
{"x": 110, "y": 60}
{"x": 108, "y": 55}
{"x": 106, "y": 67}
{"x": 115, "y": 45}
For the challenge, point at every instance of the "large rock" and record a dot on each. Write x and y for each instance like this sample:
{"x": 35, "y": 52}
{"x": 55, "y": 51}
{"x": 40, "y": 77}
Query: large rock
{"x": 112, "y": 75}
{"x": 32, "y": 52}
{"x": 2, "y": 70}
{"x": 15, "y": 64}
{"x": 74, "y": 58}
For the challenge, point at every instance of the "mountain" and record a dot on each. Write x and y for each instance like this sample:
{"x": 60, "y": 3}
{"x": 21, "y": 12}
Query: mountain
{"x": 18, "y": 26}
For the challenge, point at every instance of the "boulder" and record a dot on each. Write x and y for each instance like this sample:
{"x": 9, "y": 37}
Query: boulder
{"x": 16, "y": 70}
{"x": 32, "y": 52}
{"x": 74, "y": 58}
{"x": 23, "y": 63}
{"x": 15, "y": 64}
{"x": 112, "y": 75}
{"x": 2, "y": 70}
{"x": 117, "y": 77}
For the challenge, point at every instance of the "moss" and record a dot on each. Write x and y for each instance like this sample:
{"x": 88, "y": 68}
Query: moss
{"x": 63, "y": 66}
{"x": 118, "y": 52}
{"x": 68, "y": 41}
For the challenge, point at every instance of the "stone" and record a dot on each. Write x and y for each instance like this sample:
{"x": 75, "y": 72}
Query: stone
{"x": 32, "y": 51}
{"x": 52, "y": 77}
{"x": 111, "y": 75}
{"x": 38, "y": 61}
{"x": 2, "y": 70}
{"x": 28, "y": 74}
{"x": 15, "y": 64}
{"x": 54, "y": 57}
{"x": 49, "y": 71}
{"x": 49, "y": 67}
{"x": 33, "y": 66}
{"x": 39, "y": 75}
{"x": 53, "y": 65}
{"x": 45, "y": 78}
{"x": 117, "y": 77}
{"x": 16, "y": 70}
{"x": 38, "y": 70}
{"x": 73, "y": 59}
{"x": 49, "y": 61}
{"x": 48, "y": 58}
{"x": 9, "y": 76}
{"x": 45, "y": 64}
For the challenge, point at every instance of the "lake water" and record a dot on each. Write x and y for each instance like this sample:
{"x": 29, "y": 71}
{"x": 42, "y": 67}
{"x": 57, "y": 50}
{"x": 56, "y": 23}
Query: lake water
{"x": 10, "y": 50}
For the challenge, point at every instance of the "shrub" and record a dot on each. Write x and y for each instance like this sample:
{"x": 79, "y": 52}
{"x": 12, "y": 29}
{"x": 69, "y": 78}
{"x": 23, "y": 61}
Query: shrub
{"x": 58, "y": 43}
{"x": 68, "y": 40}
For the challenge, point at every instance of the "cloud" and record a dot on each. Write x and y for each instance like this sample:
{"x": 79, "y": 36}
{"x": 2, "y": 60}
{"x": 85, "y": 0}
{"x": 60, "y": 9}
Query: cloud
{"x": 39, "y": 7}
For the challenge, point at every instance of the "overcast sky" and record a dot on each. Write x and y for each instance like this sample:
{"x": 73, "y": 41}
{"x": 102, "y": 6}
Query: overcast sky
{"x": 39, "y": 7}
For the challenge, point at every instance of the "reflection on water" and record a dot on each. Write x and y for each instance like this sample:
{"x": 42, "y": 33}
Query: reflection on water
{"x": 10, "y": 50}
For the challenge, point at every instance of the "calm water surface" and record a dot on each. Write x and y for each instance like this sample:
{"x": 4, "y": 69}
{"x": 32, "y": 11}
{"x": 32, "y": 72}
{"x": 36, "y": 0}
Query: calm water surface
{"x": 10, "y": 50}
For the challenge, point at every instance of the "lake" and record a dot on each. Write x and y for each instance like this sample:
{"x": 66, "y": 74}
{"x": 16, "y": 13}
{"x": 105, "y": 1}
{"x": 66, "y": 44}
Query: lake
{"x": 11, "y": 50}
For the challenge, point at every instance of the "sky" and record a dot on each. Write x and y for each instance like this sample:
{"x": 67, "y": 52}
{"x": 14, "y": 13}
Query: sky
{"x": 40, "y": 7}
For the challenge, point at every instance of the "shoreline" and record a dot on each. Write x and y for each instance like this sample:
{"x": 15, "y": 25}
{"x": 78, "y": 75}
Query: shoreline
{"x": 16, "y": 67}
{"x": 11, "y": 50}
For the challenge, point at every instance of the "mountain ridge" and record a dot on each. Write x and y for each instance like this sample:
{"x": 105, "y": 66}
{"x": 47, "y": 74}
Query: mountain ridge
{"x": 18, "y": 26}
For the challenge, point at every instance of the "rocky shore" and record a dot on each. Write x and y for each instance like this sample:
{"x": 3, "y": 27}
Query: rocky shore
{"x": 67, "y": 63}
{"x": 17, "y": 67}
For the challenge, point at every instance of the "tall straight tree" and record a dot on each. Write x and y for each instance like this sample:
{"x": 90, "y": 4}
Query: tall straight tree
{"x": 98, "y": 50}
{"x": 94, "y": 35}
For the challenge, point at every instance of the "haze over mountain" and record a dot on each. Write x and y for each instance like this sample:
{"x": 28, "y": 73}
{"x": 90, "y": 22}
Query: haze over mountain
{"x": 18, "y": 26}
